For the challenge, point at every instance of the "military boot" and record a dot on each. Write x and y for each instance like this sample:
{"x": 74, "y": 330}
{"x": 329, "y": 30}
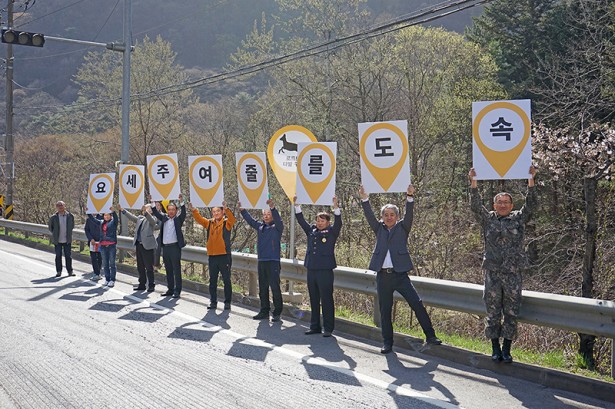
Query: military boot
{"x": 506, "y": 357}
{"x": 496, "y": 352}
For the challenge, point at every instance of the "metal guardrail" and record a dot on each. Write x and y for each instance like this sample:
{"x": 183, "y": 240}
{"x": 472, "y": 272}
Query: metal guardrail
{"x": 575, "y": 314}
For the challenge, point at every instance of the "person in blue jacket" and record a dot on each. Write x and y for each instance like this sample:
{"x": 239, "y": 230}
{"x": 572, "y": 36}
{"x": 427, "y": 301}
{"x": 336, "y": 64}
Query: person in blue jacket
{"x": 92, "y": 233}
{"x": 269, "y": 232}
{"x": 391, "y": 262}
{"x": 108, "y": 244}
{"x": 320, "y": 262}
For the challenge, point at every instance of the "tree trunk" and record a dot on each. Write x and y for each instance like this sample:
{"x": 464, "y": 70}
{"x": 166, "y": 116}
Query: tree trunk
{"x": 586, "y": 342}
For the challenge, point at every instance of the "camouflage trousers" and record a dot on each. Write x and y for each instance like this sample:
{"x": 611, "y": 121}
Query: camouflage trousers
{"x": 502, "y": 297}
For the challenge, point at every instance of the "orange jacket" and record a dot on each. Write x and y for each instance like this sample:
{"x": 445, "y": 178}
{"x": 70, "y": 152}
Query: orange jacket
{"x": 218, "y": 232}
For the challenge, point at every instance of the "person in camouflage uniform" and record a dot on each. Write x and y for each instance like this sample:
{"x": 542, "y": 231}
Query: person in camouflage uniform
{"x": 504, "y": 260}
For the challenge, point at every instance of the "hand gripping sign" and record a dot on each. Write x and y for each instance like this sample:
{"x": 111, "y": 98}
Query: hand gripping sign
{"x": 132, "y": 182}
{"x": 206, "y": 187}
{"x": 282, "y": 155}
{"x": 501, "y": 143}
{"x": 100, "y": 193}
{"x": 163, "y": 174}
{"x": 252, "y": 179}
{"x": 384, "y": 156}
{"x": 316, "y": 172}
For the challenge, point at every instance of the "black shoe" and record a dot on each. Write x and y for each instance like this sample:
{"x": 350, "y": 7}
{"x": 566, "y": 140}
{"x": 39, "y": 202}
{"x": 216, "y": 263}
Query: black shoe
{"x": 227, "y": 305}
{"x": 506, "y": 357}
{"x": 327, "y": 334}
{"x": 433, "y": 340}
{"x": 168, "y": 293}
{"x": 313, "y": 331}
{"x": 386, "y": 349}
{"x": 212, "y": 306}
{"x": 71, "y": 274}
{"x": 139, "y": 288}
{"x": 150, "y": 289}
{"x": 261, "y": 316}
{"x": 496, "y": 351}
{"x": 275, "y": 318}
{"x": 175, "y": 296}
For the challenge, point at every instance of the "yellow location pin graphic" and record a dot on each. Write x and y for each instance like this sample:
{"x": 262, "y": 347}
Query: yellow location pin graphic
{"x": 316, "y": 189}
{"x": 131, "y": 198}
{"x": 206, "y": 194}
{"x": 163, "y": 188}
{"x": 253, "y": 194}
{"x": 385, "y": 176}
{"x": 501, "y": 161}
{"x": 280, "y": 145}
{"x": 100, "y": 202}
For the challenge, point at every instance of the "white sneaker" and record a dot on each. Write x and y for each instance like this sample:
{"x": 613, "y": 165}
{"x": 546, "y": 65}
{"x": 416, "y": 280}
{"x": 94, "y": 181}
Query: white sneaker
{"x": 111, "y": 284}
{"x": 106, "y": 283}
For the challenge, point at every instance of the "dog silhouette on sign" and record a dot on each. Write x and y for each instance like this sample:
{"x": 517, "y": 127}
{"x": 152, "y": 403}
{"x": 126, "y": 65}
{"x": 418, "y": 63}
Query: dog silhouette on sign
{"x": 287, "y": 146}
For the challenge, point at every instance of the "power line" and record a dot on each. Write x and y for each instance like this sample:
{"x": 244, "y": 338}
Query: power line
{"x": 420, "y": 17}
{"x": 49, "y": 14}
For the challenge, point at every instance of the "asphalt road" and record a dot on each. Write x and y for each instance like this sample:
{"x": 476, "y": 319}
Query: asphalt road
{"x": 69, "y": 343}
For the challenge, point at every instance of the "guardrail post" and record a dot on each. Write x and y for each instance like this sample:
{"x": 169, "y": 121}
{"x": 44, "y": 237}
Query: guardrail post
{"x": 376, "y": 313}
{"x": 613, "y": 358}
{"x": 253, "y": 284}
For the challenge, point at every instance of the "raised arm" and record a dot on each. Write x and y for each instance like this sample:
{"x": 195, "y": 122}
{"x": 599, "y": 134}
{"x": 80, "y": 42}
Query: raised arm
{"x": 531, "y": 198}
{"x": 476, "y": 201}
{"x": 367, "y": 210}
{"x": 300, "y": 218}
{"x": 230, "y": 218}
{"x": 409, "y": 213}
{"x": 277, "y": 219}
{"x": 246, "y": 216}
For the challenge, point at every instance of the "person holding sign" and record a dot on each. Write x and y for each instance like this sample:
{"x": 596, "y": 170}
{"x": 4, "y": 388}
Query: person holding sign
{"x": 92, "y": 233}
{"x": 268, "y": 248}
{"x": 391, "y": 262}
{"x": 320, "y": 262}
{"x": 173, "y": 242}
{"x": 61, "y": 225}
{"x": 145, "y": 244}
{"x": 218, "y": 250}
{"x": 504, "y": 260}
{"x": 107, "y": 244}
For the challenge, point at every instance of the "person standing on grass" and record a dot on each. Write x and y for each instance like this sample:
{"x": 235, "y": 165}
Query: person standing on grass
{"x": 504, "y": 261}
{"x": 320, "y": 262}
{"x": 391, "y": 262}
{"x": 218, "y": 250}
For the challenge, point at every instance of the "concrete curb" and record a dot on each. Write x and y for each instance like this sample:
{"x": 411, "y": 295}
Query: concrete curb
{"x": 543, "y": 376}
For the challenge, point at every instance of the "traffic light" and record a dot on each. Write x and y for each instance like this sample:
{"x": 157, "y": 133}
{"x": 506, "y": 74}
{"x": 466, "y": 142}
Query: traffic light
{"x": 19, "y": 37}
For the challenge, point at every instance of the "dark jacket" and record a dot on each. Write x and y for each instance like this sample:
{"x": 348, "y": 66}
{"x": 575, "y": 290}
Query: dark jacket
{"x": 54, "y": 227}
{"x": 320, "y": 252}
{"x": 395, "y": 240}
{"x": 92, "y": 229}
{"x": 269, "y": 235}
{"x": 111, "y": 233}
{"x": 178, "y": 220}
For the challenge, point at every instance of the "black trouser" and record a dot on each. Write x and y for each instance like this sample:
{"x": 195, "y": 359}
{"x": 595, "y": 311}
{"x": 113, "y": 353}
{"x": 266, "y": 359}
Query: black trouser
{"x": 63, "y": 248}
{"x": 269, "y": 276}
{"x": 320, "y": 288}
{"x": 387, "y": 284}
{"x": 172, "y": 256}
{"x": 96, "y": 259}
{"x": 220, "y": 264}
{"x": 145, "y": 266}
{"x": 157, "y": 253}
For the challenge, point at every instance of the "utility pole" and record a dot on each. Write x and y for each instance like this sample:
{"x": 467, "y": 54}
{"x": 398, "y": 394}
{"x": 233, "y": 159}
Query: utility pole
{"x": 9, "y": 142}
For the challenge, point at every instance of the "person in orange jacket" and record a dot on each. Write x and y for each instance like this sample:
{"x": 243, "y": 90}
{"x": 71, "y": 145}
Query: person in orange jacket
{"x": 219, "y": 250}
